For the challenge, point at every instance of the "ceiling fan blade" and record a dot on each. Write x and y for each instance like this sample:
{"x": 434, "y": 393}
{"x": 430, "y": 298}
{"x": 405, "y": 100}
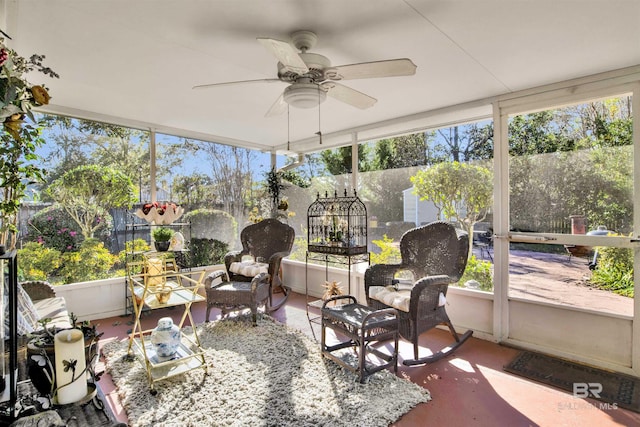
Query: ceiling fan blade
{"x": 349, "y": 95}
{"x": 210, "y": 85}
{"x": 278, "y": 107}
{"x": 366, "y": 70}
{"x": 286, "y": 54}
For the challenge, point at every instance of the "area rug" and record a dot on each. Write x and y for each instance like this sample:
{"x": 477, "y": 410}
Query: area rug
{"x": 269, "y": 375}
{"x": 619, "y": 389}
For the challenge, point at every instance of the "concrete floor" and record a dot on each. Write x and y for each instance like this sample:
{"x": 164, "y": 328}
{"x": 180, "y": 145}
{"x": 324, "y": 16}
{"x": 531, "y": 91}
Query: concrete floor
{"x": 469, "y": 388}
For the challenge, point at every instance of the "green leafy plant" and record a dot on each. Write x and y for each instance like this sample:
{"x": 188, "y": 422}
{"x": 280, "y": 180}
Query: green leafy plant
{"x": 20, "y": 140}
{"x": 133, "y": 246}
{"x": 213, "y": 224}
{"x": 37, "y": 262}
{"x": 87, "y": 193}
{"x": 93, "y": 261}
{"x": 207, "y": 252}
{"x": 162, "y": 234}
{"x": 462, "y": 192}
{"x": 300, "y": 245}
{"x": 390, "y": 253}
{"x": 480, "y": 271}
{"x": 614, "y": 271}
{"x": 54, "y": 228}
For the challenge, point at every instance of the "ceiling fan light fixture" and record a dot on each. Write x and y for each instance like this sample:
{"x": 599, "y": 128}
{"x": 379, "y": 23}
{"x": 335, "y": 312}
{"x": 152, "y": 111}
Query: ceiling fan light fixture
{"x": 304, "y": 95}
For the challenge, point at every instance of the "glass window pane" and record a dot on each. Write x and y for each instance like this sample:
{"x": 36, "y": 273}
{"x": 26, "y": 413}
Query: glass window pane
{"x": 571, "y": 173}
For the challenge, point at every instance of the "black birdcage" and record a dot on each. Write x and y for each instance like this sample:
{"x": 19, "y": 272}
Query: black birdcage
{"x": 337, "y": 225}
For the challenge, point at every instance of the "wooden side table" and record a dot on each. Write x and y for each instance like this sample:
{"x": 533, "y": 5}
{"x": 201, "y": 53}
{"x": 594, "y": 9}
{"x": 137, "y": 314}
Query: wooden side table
{"x": 362, "y": 326}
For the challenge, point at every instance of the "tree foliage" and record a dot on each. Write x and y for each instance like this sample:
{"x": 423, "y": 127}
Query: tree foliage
{"x": 231, "y": 172}
{"x": 401, "y": 151}
{"x": 194, "y": 191}
{"x": 87, "y": 193}
{"x": 80, "y": 142}
{"x": 572, "y": 161}
{"x": 338, "y": 160}
{"x": 463, "y": 143}
{"x": 460, "y": 191}
{"x": 55, "y": 229}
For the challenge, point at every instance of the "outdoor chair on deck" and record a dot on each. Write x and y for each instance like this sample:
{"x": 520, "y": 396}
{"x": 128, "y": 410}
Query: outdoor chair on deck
{"x": 266, "y": 243}
{"x": 436, "y": 255}
{"x": 483, "y": 240}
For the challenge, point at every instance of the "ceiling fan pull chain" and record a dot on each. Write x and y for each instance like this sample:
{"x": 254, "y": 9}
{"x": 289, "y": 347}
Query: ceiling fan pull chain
{"x": 319, "y": 127}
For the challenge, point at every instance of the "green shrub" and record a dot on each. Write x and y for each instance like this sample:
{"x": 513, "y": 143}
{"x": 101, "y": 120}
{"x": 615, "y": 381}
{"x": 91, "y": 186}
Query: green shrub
{"x": 37, "y": 262}
{"x": 133, "y": 246}
{"x": 207, "y": 252}
{"x": 299, "y": 249}
{"x": 480, "y": 271}
{"x": 389, "y": 254}
{"x": 91, "y": 262}
{"x": 614, "y": 271}
{"x": 213, "y": 224}
{"x": 54, "y": 228}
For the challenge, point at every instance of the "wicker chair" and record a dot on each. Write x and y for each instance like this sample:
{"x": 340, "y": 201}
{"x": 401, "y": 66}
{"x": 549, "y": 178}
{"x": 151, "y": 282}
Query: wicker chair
{"x": 266, "y": 242}
{"x": 436, "y": 255}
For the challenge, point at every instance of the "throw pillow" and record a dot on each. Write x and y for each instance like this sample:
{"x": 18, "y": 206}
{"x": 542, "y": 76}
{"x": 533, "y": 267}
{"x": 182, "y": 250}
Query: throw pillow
{"x": 27, "y": 314}
{"x": 27, "y": 309}
{"x": 249, "y": 268}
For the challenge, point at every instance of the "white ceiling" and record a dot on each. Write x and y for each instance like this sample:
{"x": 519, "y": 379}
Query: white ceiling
{"x": 135, "y": 62}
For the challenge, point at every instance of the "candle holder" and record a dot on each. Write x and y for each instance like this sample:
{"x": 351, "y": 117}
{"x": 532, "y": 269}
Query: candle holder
{"x": 71, "y": 366}
{"x": 42, "y": 362}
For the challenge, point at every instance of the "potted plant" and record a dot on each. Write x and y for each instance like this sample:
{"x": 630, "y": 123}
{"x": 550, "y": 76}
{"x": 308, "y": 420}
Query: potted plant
{"x": 19, "y": 139}
{"x": 162, "y": 238}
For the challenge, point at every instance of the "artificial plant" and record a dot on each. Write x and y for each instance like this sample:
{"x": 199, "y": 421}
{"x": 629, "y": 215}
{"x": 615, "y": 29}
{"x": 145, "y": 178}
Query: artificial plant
{"x": 19, "y": 138}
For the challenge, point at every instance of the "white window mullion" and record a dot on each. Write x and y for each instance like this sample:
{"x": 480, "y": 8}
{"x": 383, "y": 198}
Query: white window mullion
{"x": 500, "y": 224}
{"x": 635, "y": 348}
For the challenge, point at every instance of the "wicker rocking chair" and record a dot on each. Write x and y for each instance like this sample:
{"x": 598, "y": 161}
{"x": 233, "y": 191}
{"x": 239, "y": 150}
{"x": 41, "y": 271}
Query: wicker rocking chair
{"x": 266, "y": 243}
{"x": 436, "y": 255}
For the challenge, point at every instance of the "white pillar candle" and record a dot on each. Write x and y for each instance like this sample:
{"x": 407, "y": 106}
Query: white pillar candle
{"x": 69, "y": 347}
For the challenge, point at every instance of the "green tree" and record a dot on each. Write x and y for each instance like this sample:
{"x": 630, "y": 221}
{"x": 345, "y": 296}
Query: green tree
{"x": 576, "y": 159}
{"x": 194, "y": 191}
{"x": 400, "y": 152}
{"x": 460, "y": 191}
{"x": 338, "y": 160}
{"x": 81, "y": 142}
{"x": 87, "y": 193}
{"x": 542, "y": 132}
{"x": 231, "y": 172}
{"x": 609, "y": 121}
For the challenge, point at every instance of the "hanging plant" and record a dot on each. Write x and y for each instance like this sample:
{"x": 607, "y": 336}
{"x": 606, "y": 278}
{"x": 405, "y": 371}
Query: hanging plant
{"x": 274, "y": 188}
{"x": 19, "y": 138}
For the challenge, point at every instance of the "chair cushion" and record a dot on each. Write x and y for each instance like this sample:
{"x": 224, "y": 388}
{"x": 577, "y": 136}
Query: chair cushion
{"x": 388, "y": 295}
{"x": 398, "y": 299}
{"x": 56, "y": 310}
{"x": 249, "y": 268}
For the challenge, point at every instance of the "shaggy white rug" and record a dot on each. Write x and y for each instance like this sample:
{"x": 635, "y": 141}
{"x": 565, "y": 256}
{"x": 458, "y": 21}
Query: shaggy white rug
{"x": 269, "y": 375}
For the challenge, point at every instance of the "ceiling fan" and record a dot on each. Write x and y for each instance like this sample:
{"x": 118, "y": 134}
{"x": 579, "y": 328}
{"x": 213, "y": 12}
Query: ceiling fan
{"x": 312, "y": 77}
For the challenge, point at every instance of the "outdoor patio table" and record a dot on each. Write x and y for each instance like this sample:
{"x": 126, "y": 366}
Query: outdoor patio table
{"x": 363, "y": 327}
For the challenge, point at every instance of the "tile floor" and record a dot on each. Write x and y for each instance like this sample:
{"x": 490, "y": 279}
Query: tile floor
{"x": 469, "y": 388}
